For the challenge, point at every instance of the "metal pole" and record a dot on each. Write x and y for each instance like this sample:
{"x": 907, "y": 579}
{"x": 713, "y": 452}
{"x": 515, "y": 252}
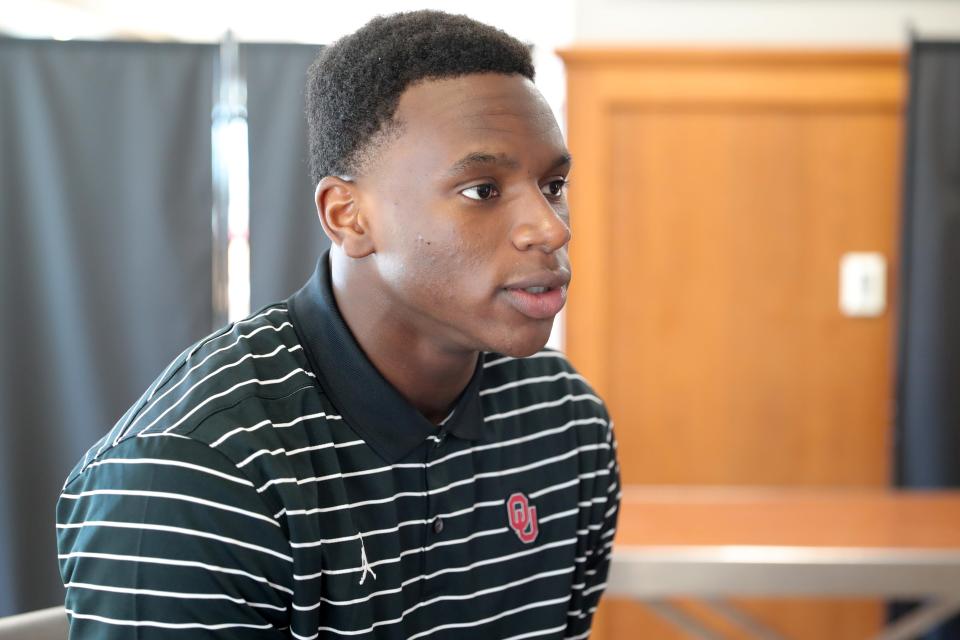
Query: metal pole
{"x": 229, "y": 108}
{"x": 681, "y": 619}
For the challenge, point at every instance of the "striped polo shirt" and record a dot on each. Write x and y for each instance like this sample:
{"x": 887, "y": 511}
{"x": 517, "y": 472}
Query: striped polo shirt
{"x": 270, "y": 483}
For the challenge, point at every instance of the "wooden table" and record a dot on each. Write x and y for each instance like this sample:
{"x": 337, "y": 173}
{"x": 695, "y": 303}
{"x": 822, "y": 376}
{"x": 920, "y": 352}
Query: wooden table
{"x": 714, "y": 543}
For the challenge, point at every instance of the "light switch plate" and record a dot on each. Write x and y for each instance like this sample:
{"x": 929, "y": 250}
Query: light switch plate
{"x": 863, "y": 284}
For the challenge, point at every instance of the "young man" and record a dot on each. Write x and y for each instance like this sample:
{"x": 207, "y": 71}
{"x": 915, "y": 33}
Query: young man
{"x": 390, "y": 453}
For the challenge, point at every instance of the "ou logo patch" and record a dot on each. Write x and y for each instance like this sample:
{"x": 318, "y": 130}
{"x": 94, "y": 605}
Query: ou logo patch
{"x": 522, "y": 518}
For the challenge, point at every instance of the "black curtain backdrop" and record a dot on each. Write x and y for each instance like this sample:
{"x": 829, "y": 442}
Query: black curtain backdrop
{"x": 105, "y": 245}
{"x": 285, "y": 234}
{"x": 928, "y": 391}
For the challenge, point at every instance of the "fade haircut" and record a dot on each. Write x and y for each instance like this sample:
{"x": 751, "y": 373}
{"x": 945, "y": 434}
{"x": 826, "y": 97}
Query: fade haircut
{"x": 355, "y": 84}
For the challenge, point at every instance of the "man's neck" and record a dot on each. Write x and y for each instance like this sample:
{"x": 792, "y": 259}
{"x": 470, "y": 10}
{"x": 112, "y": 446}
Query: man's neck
{"x": 429, "y": 377}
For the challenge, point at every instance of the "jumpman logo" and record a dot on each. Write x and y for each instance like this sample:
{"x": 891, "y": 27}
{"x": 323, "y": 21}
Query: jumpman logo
{"x": 364, "y": 565}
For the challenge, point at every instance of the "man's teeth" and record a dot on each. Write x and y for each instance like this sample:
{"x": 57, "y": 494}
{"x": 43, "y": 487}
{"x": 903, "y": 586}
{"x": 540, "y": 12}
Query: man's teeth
{"x": 536, "y": 289}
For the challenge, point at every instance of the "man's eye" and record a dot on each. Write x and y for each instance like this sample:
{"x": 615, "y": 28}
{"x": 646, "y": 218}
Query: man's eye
{"x": 481, "y": 192}
{"x": 554, "y": 188}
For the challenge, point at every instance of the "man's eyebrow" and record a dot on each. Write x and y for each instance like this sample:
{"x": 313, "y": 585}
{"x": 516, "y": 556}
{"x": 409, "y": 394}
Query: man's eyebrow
{"x": 563, "y": 160}
{"x": 482, "y": 158}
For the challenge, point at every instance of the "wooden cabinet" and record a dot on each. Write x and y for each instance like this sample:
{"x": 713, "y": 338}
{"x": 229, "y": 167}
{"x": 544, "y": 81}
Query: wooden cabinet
{"x": 712, "y": 197}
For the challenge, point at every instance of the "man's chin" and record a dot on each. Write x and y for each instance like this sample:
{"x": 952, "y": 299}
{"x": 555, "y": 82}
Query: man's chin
{"x": 521, "y": 344}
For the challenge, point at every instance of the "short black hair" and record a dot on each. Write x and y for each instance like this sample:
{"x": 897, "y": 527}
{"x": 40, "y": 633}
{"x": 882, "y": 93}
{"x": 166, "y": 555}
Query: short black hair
{"x": 355, "y": 84}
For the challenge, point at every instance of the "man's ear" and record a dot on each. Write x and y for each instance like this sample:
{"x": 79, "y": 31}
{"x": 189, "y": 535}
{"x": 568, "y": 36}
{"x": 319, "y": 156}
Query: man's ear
{"x": 338, "y": 206}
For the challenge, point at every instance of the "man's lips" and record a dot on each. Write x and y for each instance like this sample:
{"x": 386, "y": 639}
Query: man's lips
{"x": 539, "y": 295}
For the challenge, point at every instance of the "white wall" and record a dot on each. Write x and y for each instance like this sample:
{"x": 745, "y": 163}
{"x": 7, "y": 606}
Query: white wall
{"x": 781, "y": 23}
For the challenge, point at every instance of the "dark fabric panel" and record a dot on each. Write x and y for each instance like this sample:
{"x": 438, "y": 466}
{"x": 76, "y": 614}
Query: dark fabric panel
{"x": 105, "y": 200}
{"x": 285, "y": 234}
{"x": 929, "y": 405}
{"x": 928, "y": 394}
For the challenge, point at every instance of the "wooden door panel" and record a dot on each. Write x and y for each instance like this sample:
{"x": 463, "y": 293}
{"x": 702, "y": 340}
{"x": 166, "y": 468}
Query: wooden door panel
{"x": 731, "y": 361}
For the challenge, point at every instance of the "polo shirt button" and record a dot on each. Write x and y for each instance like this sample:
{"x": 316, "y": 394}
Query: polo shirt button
{"x": 437, "y": 525}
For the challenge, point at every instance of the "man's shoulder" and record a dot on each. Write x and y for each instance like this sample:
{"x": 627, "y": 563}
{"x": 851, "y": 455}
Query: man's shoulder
{"x": 545, "y": 378}
{"x": 233, "y": 370}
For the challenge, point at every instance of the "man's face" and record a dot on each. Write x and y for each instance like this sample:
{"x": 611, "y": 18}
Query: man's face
{"x": 468, "y": 214}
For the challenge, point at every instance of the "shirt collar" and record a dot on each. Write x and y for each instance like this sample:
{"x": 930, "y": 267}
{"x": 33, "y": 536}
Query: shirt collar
{"x": 370, "y": 404}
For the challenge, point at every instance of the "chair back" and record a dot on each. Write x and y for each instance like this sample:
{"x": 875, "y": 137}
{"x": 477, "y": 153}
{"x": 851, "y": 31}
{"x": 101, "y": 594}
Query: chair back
{"x": 44, "y": 624}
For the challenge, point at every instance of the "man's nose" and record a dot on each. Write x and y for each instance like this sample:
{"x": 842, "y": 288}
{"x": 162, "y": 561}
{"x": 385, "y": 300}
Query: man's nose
{"x": 539, "y": 225}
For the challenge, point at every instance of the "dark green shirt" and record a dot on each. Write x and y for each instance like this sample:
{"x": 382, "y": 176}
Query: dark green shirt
{"x": 271, "y": 484}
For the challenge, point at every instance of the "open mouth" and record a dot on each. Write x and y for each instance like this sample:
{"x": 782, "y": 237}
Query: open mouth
{"x": 539, "y": 295}
{"x": 537, "y": 302}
